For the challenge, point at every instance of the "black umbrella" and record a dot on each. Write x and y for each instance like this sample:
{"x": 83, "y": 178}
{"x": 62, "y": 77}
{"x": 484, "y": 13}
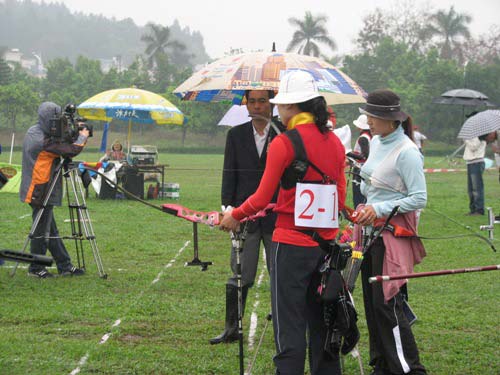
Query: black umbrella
{"x": 465, "y": 97}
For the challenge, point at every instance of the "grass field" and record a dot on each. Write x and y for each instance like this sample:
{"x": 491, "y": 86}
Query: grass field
{"x": 155, "y": 316}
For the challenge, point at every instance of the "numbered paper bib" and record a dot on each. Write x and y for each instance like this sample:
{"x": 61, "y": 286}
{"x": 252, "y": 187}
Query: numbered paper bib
{"x": 316, "y": 206}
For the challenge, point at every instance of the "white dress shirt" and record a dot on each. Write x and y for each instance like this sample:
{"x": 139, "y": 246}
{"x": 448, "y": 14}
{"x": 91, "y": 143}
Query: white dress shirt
{"x": 260, "y": 140}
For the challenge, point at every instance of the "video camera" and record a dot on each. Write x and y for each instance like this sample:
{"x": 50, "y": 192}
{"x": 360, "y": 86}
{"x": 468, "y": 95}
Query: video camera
{"x": 66, "y": 127}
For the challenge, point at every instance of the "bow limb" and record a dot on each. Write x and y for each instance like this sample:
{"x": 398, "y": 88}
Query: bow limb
{"x": 209, "y": 218}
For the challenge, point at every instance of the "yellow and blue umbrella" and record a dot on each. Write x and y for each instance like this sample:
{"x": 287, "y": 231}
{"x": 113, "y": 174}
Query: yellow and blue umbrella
{"x": 132, "y": 105}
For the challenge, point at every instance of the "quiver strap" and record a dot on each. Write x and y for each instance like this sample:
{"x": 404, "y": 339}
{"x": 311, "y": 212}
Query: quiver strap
{"x": 297, "y": 170}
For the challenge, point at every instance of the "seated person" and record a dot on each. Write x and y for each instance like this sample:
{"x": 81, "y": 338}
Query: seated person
{"x": 116, "y": 153}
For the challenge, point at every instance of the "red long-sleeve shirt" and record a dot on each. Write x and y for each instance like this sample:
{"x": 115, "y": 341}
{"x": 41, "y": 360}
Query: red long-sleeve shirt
{"x": 326, "y": 152}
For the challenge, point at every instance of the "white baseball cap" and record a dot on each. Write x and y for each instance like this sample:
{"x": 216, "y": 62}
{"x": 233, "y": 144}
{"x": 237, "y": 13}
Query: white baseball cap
{"x": 362, "y": 122}
{"x": 296, "y": 86}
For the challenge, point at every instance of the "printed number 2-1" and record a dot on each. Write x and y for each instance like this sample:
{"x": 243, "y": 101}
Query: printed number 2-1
{"x": 311, "y": 196}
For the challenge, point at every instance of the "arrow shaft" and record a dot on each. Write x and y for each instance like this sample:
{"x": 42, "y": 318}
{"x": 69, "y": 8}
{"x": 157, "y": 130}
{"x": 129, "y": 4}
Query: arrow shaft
{"x": 382, "y": 278}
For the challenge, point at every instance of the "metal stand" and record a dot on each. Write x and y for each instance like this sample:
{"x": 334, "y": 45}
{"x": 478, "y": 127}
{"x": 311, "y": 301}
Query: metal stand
{"x": 491, "y": 224}
{"x": 196, "y": 261}
{"x": 238, "y": 239}
{"x": 81, "y": 225}
{"x": 269, "y": 317}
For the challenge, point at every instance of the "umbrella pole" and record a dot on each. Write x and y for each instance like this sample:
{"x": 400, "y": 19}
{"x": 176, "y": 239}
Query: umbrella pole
{"x": 128, "y": 136}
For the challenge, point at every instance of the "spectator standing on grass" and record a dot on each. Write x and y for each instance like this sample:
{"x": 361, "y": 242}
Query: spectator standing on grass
{"x": 474, "y": 152}
{"x": 495, "y": 147}
{"x": 41, "y": 156}
{"x": 244, "y": 162}
{"x": 295, "y": 256}
{"x": 419, "y": 138}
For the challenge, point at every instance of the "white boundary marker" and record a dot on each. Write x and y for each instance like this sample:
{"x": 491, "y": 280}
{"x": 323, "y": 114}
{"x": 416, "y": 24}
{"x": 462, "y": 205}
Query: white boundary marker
{"x": 117, "y": 322}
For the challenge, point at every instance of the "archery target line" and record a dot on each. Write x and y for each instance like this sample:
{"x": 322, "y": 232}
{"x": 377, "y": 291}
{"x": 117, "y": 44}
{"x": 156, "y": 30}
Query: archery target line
{"x": 117, "y": 322}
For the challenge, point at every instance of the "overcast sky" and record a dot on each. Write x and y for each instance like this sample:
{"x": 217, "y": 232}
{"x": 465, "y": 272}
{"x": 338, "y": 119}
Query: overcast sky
{"x": 254, "y": 25}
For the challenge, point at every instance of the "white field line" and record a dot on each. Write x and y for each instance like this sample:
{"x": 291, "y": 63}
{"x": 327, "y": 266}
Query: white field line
{"x": 253, "y": 318}
{"x": 117, "y": 322}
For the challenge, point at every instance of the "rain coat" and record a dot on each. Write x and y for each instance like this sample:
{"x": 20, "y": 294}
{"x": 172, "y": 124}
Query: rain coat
{"x": 41, "y": 155}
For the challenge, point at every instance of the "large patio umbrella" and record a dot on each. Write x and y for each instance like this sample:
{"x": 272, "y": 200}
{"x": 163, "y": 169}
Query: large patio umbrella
{"x": 132, "y": 105}
{"x": 480, "y": 124}
{"x": 466, "y": 97}
{"x": 227, "y": 79}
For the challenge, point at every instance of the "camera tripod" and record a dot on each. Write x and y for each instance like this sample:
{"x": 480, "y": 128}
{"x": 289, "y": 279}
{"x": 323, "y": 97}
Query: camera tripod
{"x": 81, "y": 225}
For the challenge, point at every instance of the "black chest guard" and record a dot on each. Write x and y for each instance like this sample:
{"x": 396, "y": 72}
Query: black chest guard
{"x": 297, "y": 170}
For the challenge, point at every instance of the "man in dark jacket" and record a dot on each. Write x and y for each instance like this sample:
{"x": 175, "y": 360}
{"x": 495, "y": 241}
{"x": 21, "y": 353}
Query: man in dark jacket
{"x": 41, "y": 156}
{"x": 244, "y": 162}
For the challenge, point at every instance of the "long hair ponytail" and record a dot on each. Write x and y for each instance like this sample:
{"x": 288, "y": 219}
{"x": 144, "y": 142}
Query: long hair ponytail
{"x": 408, "y": 127}
{"x": 317, "y": 106}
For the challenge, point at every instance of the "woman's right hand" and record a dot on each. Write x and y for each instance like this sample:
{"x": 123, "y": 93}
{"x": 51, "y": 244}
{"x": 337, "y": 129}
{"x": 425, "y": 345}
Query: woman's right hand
{"x": 366, "y": 215}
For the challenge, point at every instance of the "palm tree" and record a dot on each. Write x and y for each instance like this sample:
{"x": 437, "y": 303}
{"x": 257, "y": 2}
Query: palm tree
{"x": 310, "y": 30}
{"x": 449, "y": 26}
{"x": 158, "y": 42}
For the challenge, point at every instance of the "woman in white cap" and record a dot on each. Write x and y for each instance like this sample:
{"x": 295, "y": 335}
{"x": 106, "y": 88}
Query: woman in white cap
{"x": 295, "y": 256}
{"x": 362, "y": 151}
{"x": 392, "y": 176}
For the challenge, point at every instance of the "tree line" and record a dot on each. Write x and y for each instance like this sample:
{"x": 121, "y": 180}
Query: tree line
{"x": 419, "y": 54}
{"x": 416, "y": 53}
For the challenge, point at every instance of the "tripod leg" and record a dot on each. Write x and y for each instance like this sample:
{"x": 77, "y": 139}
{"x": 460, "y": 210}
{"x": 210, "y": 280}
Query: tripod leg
{"x": 75, "y": 223}
{"x": 83, "y": 219}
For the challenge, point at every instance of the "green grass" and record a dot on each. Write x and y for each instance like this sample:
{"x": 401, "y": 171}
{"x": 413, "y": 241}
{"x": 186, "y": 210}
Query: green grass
{"x": 47, "y": 326}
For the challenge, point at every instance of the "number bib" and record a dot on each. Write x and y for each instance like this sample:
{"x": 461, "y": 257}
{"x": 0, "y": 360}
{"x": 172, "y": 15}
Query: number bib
{"x": 316, "y": 206}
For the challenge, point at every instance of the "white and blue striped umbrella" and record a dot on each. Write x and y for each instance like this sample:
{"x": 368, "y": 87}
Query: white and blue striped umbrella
{"x": 480, "y": 124}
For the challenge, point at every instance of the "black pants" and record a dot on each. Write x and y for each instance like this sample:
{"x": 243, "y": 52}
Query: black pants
{"x": 296, "y": 311}
{"x": 393, "y": 349}
{"x": 47, "y": 226}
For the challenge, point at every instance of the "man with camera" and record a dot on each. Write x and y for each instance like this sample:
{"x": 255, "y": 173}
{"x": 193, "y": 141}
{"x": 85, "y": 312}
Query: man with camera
{"x": 43, "y": 148}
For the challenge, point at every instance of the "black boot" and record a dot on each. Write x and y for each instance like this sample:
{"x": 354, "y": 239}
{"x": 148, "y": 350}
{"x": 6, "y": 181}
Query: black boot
{"x": 230, "y": 333}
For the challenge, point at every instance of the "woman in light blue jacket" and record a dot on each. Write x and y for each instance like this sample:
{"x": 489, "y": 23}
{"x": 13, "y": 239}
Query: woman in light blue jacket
{"x": 392, "y": 176}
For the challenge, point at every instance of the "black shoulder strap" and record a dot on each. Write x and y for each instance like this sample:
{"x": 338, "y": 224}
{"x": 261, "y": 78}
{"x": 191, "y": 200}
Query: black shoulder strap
{"x": 297, "y": 170}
